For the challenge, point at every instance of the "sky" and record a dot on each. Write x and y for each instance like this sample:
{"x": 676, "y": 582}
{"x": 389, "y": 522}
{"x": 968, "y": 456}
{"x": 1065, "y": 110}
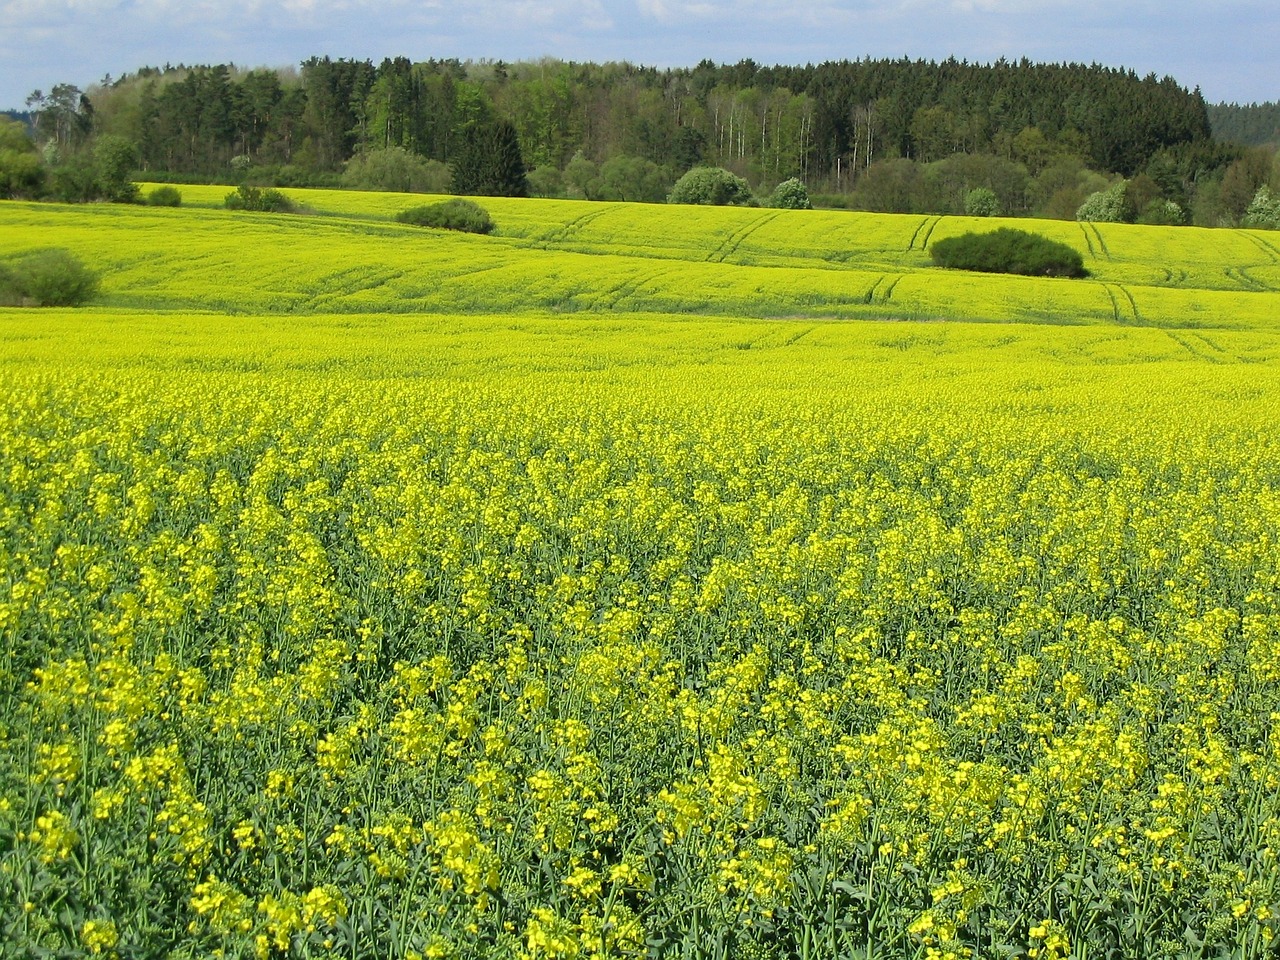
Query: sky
{"x": 1230, "y": 49}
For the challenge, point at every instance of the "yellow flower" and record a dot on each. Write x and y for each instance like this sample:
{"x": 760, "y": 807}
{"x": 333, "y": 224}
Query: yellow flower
{"x": 99, "y": 936}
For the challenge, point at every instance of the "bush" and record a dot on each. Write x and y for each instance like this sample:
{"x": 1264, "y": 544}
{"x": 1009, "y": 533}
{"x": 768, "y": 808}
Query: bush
{"x": 456, "y": 214}
{"x": 165, "y": 197}
{"x": 791, "y": 195}
{"x": 395, "y": 169}
{"x": 1264, "y": 210}
{"x": 712, "y": 186}
{"x": 114, "y": 158}
{"x": 74, "y": 182}
{"x": 21, "y": 175}
{"x": 46, "y": 278}
{"x": 1163, "y": 212}
{"x": 545, "y": 181}
{"x": 1112, "y": 205}
{"x": 1008, "y": 251}
{"x": 259, "y": 200}
{"x": 981, "y": 202}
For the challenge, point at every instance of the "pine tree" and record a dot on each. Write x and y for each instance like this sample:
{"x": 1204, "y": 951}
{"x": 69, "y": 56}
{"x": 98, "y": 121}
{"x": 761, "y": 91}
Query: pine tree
{"x": 489, "y": 163}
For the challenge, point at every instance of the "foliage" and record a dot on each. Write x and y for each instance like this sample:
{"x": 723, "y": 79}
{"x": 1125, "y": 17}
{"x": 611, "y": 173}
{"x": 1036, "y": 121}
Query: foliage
{"x": 1264, "y": 210}
{"x": 74, "y": 181}
{"x": 1112, "y": 205}
{"x": 489, "y": 164}
{"x": 46, "y": 278}
{"x": 1163, "y": 212}
{"x": 777, "y": 121}
{"x": 890, "y": 186}
{"x": 114, "y": 160}
{"x": 629, "y": 178}
{"x": 21, "y": 172}
{"x": 258, "y": 199}
{"x": 395, "y": 169}
{"x": 1008, "y": 251}
{"x": 711, "y": 186}
{"x": 546, "y": 181}
{"x": 981, "y": 202}
{"x": 22, "y": 175}
{"x": 1253, "y": 124}
{"x": 164, "y": 196}
{"x": 791, "y": 195}
{"x": 456, "y": 214}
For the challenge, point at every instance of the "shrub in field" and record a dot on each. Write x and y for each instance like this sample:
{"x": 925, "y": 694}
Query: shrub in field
{"x": 46, "y": 278}
{"x": 258, "y": 199}
{"x": 711, "y": 186}
{"x": 1008, "y": 251}
{"x": 165, "y": 197}
{"x": 981, "y": 202}
{"x": 456, "y": 214}
{"x": 791, "y": 195}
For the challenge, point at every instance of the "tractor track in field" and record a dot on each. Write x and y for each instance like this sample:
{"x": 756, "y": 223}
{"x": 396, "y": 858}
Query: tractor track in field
{"x": 1088, "y": 242}
{"x": 629, "y": 287}
{"x": 1201, "y": 347}
{"x": 574, "y": 226}
{"x": 1123, "y": 307}
{"x": 799, "y": 336}
{"x": 1265, "y": 246}
{"x": 731, "y": 243}
{"x": 1241, "y": 276}
{"x": 1102, "y": 244}
{"x": 879, "y": 295}
{"x": 927, "y": 226}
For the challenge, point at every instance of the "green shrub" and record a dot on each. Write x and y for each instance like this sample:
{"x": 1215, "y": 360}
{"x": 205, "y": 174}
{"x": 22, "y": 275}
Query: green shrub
{"x": 1112, "y": 205}
{"x": 712, "y": 186}
{"x": 1008, "y": 251}
{"x": 791, "y": 195}
{"x": 165, "y": 197}
{"x": 1264, "y": 210}
{"x": 46, "y": 278}
{"x": 395, "y": 169}
{"x": 456, "y": 214}
{"x": 21, "y": 174}
{"x": 982, "y": 202}
{"x": 1162, "y": 212}
{"x": 258, "y": 199}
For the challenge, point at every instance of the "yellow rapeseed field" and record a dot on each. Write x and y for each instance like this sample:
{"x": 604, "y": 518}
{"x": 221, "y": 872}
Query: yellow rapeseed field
{"x": 595, "y": 591}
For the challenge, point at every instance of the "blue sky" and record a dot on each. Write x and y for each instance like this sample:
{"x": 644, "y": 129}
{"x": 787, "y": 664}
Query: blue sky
{"x": 1232, "y": 51}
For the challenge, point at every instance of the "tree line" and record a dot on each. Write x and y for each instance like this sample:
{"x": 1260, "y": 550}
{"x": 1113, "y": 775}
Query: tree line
{"x": 1252, "y": 125}
{"x": 878, "y": 134}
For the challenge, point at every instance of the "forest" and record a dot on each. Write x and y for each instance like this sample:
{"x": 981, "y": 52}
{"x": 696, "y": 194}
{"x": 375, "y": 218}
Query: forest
{"x": 886, "y": 135}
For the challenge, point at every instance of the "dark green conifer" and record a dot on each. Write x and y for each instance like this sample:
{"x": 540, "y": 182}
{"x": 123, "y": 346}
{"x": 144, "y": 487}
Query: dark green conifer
{"x": 489, "y": 163}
